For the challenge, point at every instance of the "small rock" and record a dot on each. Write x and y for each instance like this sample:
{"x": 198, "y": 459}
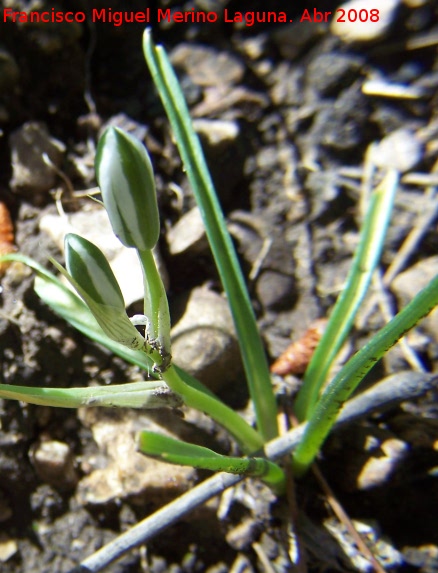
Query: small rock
{"x": 269, "y": 258}
{"x": 409, "y": 283}
{"x": 323, "y": 188}
{"x": 226, "y": 150}
{"x": 287, "y": 85}
{"x": 378, "y": 469}
{"x": 368, "y": 31}
{"x": 123, "y": 121}
{"x": 204, "y": 341}
{"x": 248, "y": 231}
{"x": 216, "y": 132}
{"x": 270, "y": 546}
{"x": 371, "y": 456}
{"x": 54, "y": 464}
{"x": 384, "y": 89}
{"x": 32, "y": 174}
{"x": 254, "y": 46}
{"x": 207, "y": 66}
{"x": 127, "y": 473}
{"x": 293, "y": 38}
{"x": 340, "y": 126}
{"x": 47, "y": 503}
{"x": 8, "y": 548}
{"x": 331, "y": 73}
{"x": 400, "y": 150}
{"x": 188, "y": 234}
{"x": 274, "y": 289}
{"x": 243, "y": 535}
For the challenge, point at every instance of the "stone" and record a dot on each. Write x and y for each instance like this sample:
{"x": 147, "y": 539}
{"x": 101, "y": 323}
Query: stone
{"x": 203, "y": 340}
{"x": 248, "y": 231}
{"x": 207, "y": 66}
{"x": 340, "y": 126}
{"x": 217, "y": 132}
{"x": 120, "y": 471}
{"x": 410, "y": 282}
{"x": 188, "y": 234}
{"x": 368, "y": 31}
{"x": 275, "y": 290}
{"x": 226, "y": 150}
{"x": 292, "y": 39}
{"x": 54, "y": 464}
{"x": 331, "y": 73}
{"x": 8, "y": 548}
{"x": 400, "y": 150}
{"x": 388, "y": 556}
{"x": 378, "y": 469}
{"x": 35, "y": 157}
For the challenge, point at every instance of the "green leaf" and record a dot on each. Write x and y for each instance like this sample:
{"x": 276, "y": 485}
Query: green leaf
{"x": 175, "y": 451}
{"x": 365, "y": 261}
{"x": 250, "y": 342}
{"x": 125, "y": 176}
{"x": 346, "y": 381}
{"x": 144, "y": 395}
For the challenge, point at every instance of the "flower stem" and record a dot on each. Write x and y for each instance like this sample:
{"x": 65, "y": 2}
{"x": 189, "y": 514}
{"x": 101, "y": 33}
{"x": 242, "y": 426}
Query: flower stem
{"x": 156, "y": 307}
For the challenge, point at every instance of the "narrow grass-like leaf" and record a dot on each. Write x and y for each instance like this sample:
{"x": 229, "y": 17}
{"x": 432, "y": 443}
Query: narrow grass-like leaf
{"x": 343, "y": 314}
{"x": 144, "y": 395}
{"x": 341, "y": 387}
{"x": 182, "y": 453}
{"x": 251, "y": 346}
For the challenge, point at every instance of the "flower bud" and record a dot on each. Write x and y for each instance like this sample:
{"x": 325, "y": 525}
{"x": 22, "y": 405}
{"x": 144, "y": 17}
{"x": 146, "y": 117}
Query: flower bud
{"x": 126, "y": 179}
{"x": 90, "y": 274}
{"x": 88, "y": 266}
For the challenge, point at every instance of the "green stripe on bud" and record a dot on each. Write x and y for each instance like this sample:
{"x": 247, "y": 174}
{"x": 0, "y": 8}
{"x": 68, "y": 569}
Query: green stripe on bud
{"x": 126, "y": 179}
{"x": 90, "y": 274}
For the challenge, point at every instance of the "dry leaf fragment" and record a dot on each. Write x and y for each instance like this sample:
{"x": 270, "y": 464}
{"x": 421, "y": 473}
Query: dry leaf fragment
{"x": 296, "y": 357}
{"x": 6, "y": 235}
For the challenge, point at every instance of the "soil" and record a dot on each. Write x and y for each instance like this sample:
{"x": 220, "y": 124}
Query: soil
{"x": 298, "y": 115}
